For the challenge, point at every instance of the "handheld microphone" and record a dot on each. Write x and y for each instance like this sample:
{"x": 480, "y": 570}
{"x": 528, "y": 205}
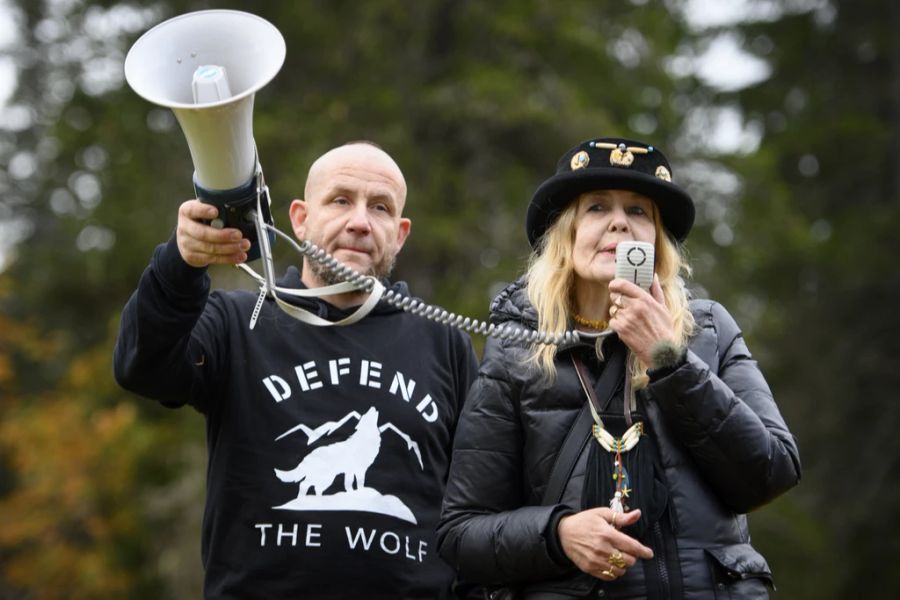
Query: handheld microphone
{"x": 634, "y": 262}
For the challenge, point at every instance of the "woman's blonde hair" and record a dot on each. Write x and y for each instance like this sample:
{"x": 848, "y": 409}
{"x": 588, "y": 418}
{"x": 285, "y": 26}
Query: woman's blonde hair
{"x": 550, "y": 281}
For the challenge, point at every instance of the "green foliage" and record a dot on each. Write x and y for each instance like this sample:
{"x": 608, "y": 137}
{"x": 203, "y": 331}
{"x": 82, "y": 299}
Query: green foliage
{"x": 815, "y": 241}
{"x": 100, "y": 492}
{"x": 80, "y": 476}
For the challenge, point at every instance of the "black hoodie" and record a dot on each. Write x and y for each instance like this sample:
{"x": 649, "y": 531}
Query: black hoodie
{"x": 328, "y": 447}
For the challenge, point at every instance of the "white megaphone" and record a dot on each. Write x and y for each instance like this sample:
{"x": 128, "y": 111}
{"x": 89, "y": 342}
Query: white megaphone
{"x": 206, "y": 66}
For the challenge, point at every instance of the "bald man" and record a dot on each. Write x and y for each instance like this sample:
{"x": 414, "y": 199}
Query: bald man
{"x": 328, "y": 446}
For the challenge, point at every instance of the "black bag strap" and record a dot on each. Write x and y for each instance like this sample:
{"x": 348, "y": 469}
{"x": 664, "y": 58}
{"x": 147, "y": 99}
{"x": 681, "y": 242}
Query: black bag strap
{"x": 580, "y": 431}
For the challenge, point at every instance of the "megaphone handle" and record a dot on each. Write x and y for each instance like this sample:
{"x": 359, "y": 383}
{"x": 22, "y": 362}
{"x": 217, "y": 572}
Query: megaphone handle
{"x": 236, "y": 209}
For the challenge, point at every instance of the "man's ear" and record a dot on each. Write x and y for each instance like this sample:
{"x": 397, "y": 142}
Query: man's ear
{"x": 298, "y": 214}
{"x": 403, "y": 232}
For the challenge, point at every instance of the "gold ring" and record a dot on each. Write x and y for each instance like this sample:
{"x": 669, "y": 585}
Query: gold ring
{"x": 617, "y": 560}
{"x": 614, "y": 517}
{"x": 608, "y": 573}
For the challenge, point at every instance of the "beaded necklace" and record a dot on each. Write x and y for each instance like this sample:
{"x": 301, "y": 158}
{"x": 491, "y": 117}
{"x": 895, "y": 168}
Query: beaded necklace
{"x": 598, "y": 324}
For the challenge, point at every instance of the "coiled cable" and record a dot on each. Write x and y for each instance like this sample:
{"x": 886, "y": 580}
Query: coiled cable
{"x": 434, "y": 313}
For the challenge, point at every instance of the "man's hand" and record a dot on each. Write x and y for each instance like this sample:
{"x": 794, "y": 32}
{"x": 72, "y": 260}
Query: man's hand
{"x": 202, "y": 245}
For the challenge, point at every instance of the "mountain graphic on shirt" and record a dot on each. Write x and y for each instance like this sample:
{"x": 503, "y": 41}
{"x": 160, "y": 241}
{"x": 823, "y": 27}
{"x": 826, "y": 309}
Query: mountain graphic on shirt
{"x": 346, "y": 461}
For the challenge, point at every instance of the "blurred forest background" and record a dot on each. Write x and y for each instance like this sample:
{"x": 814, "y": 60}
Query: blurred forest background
{"x": 791, "y": 154}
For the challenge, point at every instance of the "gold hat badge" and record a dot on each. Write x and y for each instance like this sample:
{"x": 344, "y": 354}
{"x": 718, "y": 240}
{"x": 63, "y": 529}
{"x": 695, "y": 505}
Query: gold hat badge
{"x": 579, "y": 161}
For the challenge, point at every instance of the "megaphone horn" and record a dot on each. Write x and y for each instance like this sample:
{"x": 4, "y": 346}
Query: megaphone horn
{"x": 206, "y": 66}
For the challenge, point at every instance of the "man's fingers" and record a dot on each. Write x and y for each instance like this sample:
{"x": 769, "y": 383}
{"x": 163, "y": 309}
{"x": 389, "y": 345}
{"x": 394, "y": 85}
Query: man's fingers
{"x": 202, "y": 259}
{"x": 214, "y": 241}
{"x": 200, "y": 244}
{"x": 205, "y": 239}
{"x": 213, "y": 249}
{"x": 199, "y": 230}
{"x": 198, "y": 211}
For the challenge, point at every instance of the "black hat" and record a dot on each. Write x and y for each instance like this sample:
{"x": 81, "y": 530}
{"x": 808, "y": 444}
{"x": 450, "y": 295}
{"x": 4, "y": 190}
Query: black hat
{"x": 611, "y": 164}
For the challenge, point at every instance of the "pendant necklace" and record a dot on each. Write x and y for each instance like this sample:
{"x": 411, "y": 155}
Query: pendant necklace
{"x": 612, "y": 444}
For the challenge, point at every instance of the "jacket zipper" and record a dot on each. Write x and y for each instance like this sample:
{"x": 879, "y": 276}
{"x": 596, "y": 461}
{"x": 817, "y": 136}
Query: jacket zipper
{"x": 661, "y": 561}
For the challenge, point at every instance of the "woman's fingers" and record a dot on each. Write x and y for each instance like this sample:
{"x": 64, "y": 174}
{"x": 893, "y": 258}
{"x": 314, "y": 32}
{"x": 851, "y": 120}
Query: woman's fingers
{"x": 595, "y": 546}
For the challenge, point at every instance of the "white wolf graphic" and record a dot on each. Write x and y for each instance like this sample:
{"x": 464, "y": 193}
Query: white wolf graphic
{"x": 350, "y": 458}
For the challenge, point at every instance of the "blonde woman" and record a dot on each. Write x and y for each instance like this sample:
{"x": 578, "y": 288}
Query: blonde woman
{"x": 685, "y": 436}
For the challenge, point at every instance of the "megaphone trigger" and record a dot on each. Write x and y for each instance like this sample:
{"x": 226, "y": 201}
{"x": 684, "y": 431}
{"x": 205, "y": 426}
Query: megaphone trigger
{"x": 237, "y": 209}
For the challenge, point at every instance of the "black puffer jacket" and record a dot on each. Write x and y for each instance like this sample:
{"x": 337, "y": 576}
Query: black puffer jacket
{"x": 723, "y": 447}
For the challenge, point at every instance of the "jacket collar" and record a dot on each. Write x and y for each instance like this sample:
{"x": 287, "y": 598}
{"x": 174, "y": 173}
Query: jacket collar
{"x": 511, "y": 305}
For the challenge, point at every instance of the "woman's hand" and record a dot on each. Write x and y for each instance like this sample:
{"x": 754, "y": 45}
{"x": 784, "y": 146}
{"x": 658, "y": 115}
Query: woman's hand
{"x": 642, "y": 320}
{"x": 592, "y": 541}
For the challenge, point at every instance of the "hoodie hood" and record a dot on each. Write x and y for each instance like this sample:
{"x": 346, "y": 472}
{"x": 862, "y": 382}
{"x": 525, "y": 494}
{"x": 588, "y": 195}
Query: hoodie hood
{"x": 326, "y": 310}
